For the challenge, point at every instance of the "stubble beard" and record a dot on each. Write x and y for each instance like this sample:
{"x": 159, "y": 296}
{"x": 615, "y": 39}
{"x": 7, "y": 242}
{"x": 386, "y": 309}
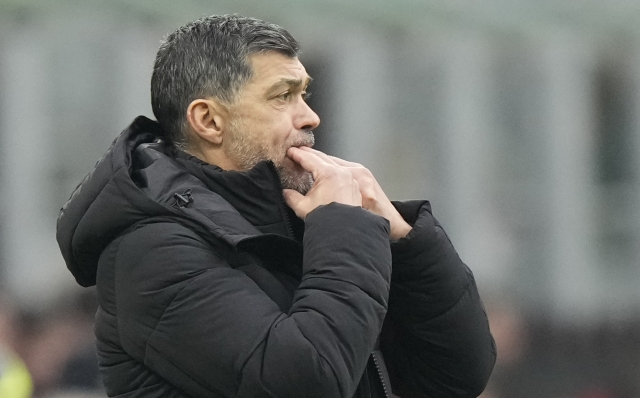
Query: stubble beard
{"x": 247, "y": 150}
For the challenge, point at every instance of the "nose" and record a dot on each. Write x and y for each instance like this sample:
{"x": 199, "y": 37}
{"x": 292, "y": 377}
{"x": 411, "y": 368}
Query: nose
{"x": 306, "y": 119}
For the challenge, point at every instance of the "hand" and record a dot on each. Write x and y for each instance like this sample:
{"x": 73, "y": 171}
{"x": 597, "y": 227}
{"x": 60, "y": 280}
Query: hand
{"x": 373, "y": 197}
{"x": 333, "y": 183}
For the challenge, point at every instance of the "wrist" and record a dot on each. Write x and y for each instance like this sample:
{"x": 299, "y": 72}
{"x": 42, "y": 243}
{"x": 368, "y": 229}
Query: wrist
{"x": 399, "y": 229}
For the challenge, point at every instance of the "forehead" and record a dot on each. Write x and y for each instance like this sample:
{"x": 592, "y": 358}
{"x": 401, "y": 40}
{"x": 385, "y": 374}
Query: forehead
{"x": 271, "y": 67}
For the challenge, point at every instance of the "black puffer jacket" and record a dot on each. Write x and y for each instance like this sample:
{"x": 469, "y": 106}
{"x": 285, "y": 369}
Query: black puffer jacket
{"x": 209, "y": 286}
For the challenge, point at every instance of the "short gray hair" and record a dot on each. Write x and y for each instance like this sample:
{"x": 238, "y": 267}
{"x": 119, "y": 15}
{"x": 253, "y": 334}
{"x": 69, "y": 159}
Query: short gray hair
{"x": 208, "y": 58}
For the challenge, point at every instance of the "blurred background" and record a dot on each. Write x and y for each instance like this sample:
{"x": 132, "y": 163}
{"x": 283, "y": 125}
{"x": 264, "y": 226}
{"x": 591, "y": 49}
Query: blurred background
{"x": 519, "y": 120}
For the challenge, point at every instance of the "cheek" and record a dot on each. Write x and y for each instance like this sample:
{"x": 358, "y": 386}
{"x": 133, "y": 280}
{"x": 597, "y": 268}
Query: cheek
{"x": 279, "y": 125}
{"x": 280, "y": 138}
{"x": 281, "y": 132}
{"x": 274, "y": 130}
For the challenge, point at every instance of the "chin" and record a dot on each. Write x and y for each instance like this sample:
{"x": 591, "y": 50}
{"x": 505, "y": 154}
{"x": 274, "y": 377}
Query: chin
{"x": 295, "y": 178}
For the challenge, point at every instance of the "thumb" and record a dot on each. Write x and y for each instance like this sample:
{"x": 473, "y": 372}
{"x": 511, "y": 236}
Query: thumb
{"x": 294, "y": 199}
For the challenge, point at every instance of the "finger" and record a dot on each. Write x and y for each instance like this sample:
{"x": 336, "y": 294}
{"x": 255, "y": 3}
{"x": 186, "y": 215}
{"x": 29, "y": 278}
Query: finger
{"x": 342, "y": 162}
{"x": 321, "y": 155}
{"x": 309, "y": 161}
{"x": 293, "y": 199}
{"x": 330, "y": 159}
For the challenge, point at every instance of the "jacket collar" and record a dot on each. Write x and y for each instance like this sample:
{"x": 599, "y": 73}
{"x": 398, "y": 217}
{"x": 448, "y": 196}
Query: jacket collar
{"x": 256, "y": 193}
{"x": 232, "y": 205}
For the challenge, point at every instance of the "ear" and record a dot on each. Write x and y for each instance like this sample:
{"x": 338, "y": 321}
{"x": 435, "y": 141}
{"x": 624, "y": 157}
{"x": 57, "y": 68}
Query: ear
{"x": 207, "y": 118}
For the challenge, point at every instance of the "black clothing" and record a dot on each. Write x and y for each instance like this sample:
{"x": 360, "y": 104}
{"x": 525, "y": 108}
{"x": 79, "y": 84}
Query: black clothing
{"x": 209, "y": 286}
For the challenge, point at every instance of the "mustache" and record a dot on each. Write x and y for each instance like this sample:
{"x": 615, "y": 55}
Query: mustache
{"x": 305, "y": 139}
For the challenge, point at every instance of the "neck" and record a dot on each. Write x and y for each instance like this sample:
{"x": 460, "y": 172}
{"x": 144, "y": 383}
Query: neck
{"x": 215, "y": 156}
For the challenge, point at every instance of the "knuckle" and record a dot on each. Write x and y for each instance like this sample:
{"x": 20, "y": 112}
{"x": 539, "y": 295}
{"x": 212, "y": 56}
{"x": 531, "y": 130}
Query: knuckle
{"x": 367, "y": 186}
{"x": 329, "y": 172}
{"x": 366, "y": 172}
{"x": 368, "y": 194}
{"x": 362, "y": 173}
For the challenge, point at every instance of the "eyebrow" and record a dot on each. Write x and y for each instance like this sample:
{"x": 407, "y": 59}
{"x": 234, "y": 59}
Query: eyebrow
{"x": 292, "y": 83}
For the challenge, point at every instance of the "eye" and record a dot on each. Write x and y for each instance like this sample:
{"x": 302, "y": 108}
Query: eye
{"x": 284, "y": 96}
{"x": 306, "y": 95}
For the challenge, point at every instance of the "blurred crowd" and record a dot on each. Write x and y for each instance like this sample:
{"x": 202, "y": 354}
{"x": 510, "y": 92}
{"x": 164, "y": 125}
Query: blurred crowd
{"x": 49, "y": 353}
{"x": 541, "y": 359}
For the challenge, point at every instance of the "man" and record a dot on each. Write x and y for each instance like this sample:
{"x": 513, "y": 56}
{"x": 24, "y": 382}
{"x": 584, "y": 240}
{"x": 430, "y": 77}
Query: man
{"x": 232, "y": 260}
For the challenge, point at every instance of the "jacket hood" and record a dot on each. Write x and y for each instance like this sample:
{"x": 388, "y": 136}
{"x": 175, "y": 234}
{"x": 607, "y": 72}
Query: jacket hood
{"x": 137, "y": 179}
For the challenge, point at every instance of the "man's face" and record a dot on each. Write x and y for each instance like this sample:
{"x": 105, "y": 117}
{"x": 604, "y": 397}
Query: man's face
{"x": 270, "y": 116}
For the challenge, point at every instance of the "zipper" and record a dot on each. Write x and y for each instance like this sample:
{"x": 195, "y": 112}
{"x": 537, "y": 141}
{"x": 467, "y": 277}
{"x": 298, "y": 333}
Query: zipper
{"x": 286, "y": 218}
{"x": 380, "y": 374}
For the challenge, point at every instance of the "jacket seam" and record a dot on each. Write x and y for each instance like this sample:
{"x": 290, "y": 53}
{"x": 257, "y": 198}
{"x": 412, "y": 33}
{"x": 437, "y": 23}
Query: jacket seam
{"x": 384, "y": 305}
{"x": 465, "y": 291}
{"x": 155, "y": 328}
{"x": 333, "y": 372}
{"x": 325, "y": 360}
{"x": 190, "y": 376}
{"x": 117, "y": 255}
